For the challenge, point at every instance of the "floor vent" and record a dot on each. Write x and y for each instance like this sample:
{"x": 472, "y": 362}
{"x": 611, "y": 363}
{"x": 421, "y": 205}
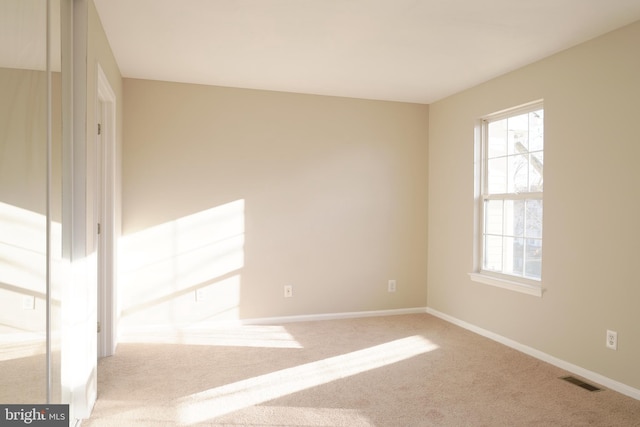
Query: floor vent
{"x": 580, "y": 383}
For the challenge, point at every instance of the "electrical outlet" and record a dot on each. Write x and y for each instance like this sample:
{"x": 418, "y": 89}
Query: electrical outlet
{"x": 200, "y": 294}
{"x": 288, "y": 291}
{"x": 612, "y": 340}
{"x": 28, "y": 302}
{"x": 391, "y": 287}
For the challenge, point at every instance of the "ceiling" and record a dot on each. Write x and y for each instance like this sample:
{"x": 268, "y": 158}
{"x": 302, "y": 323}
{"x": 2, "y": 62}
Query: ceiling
{"x": 400, "y": 50}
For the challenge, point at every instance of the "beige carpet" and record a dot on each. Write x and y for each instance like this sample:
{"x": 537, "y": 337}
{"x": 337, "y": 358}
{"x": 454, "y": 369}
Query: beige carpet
{"x": 22, "y": 367}
{"x": 409, "y": 370}
{"x": 23, "y": 380}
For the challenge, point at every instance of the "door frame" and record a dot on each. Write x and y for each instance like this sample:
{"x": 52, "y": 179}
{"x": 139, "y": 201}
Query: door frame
{"x": 106, "y": 250}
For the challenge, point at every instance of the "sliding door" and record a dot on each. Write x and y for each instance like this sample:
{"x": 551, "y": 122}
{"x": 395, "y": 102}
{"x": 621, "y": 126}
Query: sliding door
{"x": 30, "y": 201}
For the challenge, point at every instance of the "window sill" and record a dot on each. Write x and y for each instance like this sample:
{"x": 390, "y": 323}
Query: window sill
{"x": 512, "y": 285}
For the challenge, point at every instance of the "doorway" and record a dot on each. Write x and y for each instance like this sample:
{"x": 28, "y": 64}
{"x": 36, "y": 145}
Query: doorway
{"x": 105, "y": 216}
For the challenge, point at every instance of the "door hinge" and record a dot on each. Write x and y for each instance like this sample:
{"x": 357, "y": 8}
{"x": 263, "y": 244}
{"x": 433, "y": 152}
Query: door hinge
{"x": 99, "y": 129}
{"x": 99, "y": 228}
{"x": 99, "y": 328}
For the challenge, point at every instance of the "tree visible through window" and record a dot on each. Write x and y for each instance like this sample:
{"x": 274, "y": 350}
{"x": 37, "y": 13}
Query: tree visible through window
{"x": 512, "y": 186}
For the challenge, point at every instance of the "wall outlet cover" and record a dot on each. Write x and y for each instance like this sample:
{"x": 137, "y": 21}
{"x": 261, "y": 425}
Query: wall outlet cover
{"x": 28, "y": 302}
{"x": 288, "y": 291}
{"x": 612, "y": 340}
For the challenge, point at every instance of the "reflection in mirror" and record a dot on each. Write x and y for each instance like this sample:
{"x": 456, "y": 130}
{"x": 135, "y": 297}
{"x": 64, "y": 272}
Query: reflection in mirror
{"x": 26, "y": 368}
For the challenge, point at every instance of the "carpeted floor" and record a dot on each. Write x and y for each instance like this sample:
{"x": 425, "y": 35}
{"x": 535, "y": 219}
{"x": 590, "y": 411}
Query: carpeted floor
{"x": 23, "y": 368}
{"x": 408, "y": 370}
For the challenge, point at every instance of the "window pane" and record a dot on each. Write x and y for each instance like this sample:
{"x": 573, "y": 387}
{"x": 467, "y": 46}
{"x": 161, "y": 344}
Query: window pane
{"x": 497, "y": 144}
{"x": 514, "y": 219}
{"x": 533, "y": 267}
{"x": 493, "y": 217}
{"x": 513, "y": 252}
{"x": 536, "y": 130}
{"x": 518, "y": 175}
{"x": 534, "y": 218}
{"x": 497, "y": 175}
{"x": 518, "y": 134}
{"x": 493, "y": 253}
{"x": 536, "y": 161}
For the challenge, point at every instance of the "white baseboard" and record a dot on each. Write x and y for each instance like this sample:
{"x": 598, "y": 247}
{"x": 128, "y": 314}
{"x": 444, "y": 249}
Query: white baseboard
{"x": 126, "y": 331}
{"x": 332, "y": 316}
{"x": 577, "y": 370}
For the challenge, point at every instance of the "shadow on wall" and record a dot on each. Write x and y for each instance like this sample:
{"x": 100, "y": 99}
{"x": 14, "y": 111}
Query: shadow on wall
{"x": 184, "y": 271}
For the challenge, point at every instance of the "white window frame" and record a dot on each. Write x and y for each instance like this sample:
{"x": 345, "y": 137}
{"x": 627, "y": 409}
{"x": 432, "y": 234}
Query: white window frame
{"x": 512, "y": 282}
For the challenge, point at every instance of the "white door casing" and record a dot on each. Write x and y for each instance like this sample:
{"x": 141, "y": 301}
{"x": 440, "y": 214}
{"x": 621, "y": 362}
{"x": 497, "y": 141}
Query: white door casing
{"x": 105, "y": 214}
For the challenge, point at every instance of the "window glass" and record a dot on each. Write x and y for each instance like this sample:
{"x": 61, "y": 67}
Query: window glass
{"x": 511, "y": 188}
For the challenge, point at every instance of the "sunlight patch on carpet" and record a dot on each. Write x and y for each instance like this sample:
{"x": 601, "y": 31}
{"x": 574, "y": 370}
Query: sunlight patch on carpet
{"x": 210, "y": 404}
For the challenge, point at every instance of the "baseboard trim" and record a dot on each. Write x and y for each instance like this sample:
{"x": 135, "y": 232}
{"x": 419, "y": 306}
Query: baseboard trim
{"x": 332, "y": 316}
{"x": 127, "y": 331}
{"x": 574, "y": 369}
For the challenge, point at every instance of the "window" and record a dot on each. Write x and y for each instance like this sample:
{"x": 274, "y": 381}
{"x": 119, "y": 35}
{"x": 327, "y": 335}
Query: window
{"x": 510, "y": 199}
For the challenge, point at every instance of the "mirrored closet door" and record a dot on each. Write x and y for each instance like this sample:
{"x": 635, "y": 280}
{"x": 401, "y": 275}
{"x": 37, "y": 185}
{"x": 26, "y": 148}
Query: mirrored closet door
{"x": 30, "y": 201}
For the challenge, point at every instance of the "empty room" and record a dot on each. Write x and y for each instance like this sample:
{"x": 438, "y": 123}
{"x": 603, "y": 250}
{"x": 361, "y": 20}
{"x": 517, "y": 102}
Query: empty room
{"x": 319, "y": 213}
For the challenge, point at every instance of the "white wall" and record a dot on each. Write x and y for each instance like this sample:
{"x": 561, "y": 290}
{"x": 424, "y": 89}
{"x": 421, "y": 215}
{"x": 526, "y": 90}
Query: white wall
{"x": 240, "y": 192}
{"x": 592, "y": 147}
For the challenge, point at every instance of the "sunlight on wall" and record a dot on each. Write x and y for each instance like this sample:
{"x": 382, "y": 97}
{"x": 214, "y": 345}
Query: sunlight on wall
{"x": 184, "y": 271}
{"x": 218, "y": 335}
{"x": 22, "y": 281}
{"x": 22, "y": 248}
{"x": 209, "y": 404}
